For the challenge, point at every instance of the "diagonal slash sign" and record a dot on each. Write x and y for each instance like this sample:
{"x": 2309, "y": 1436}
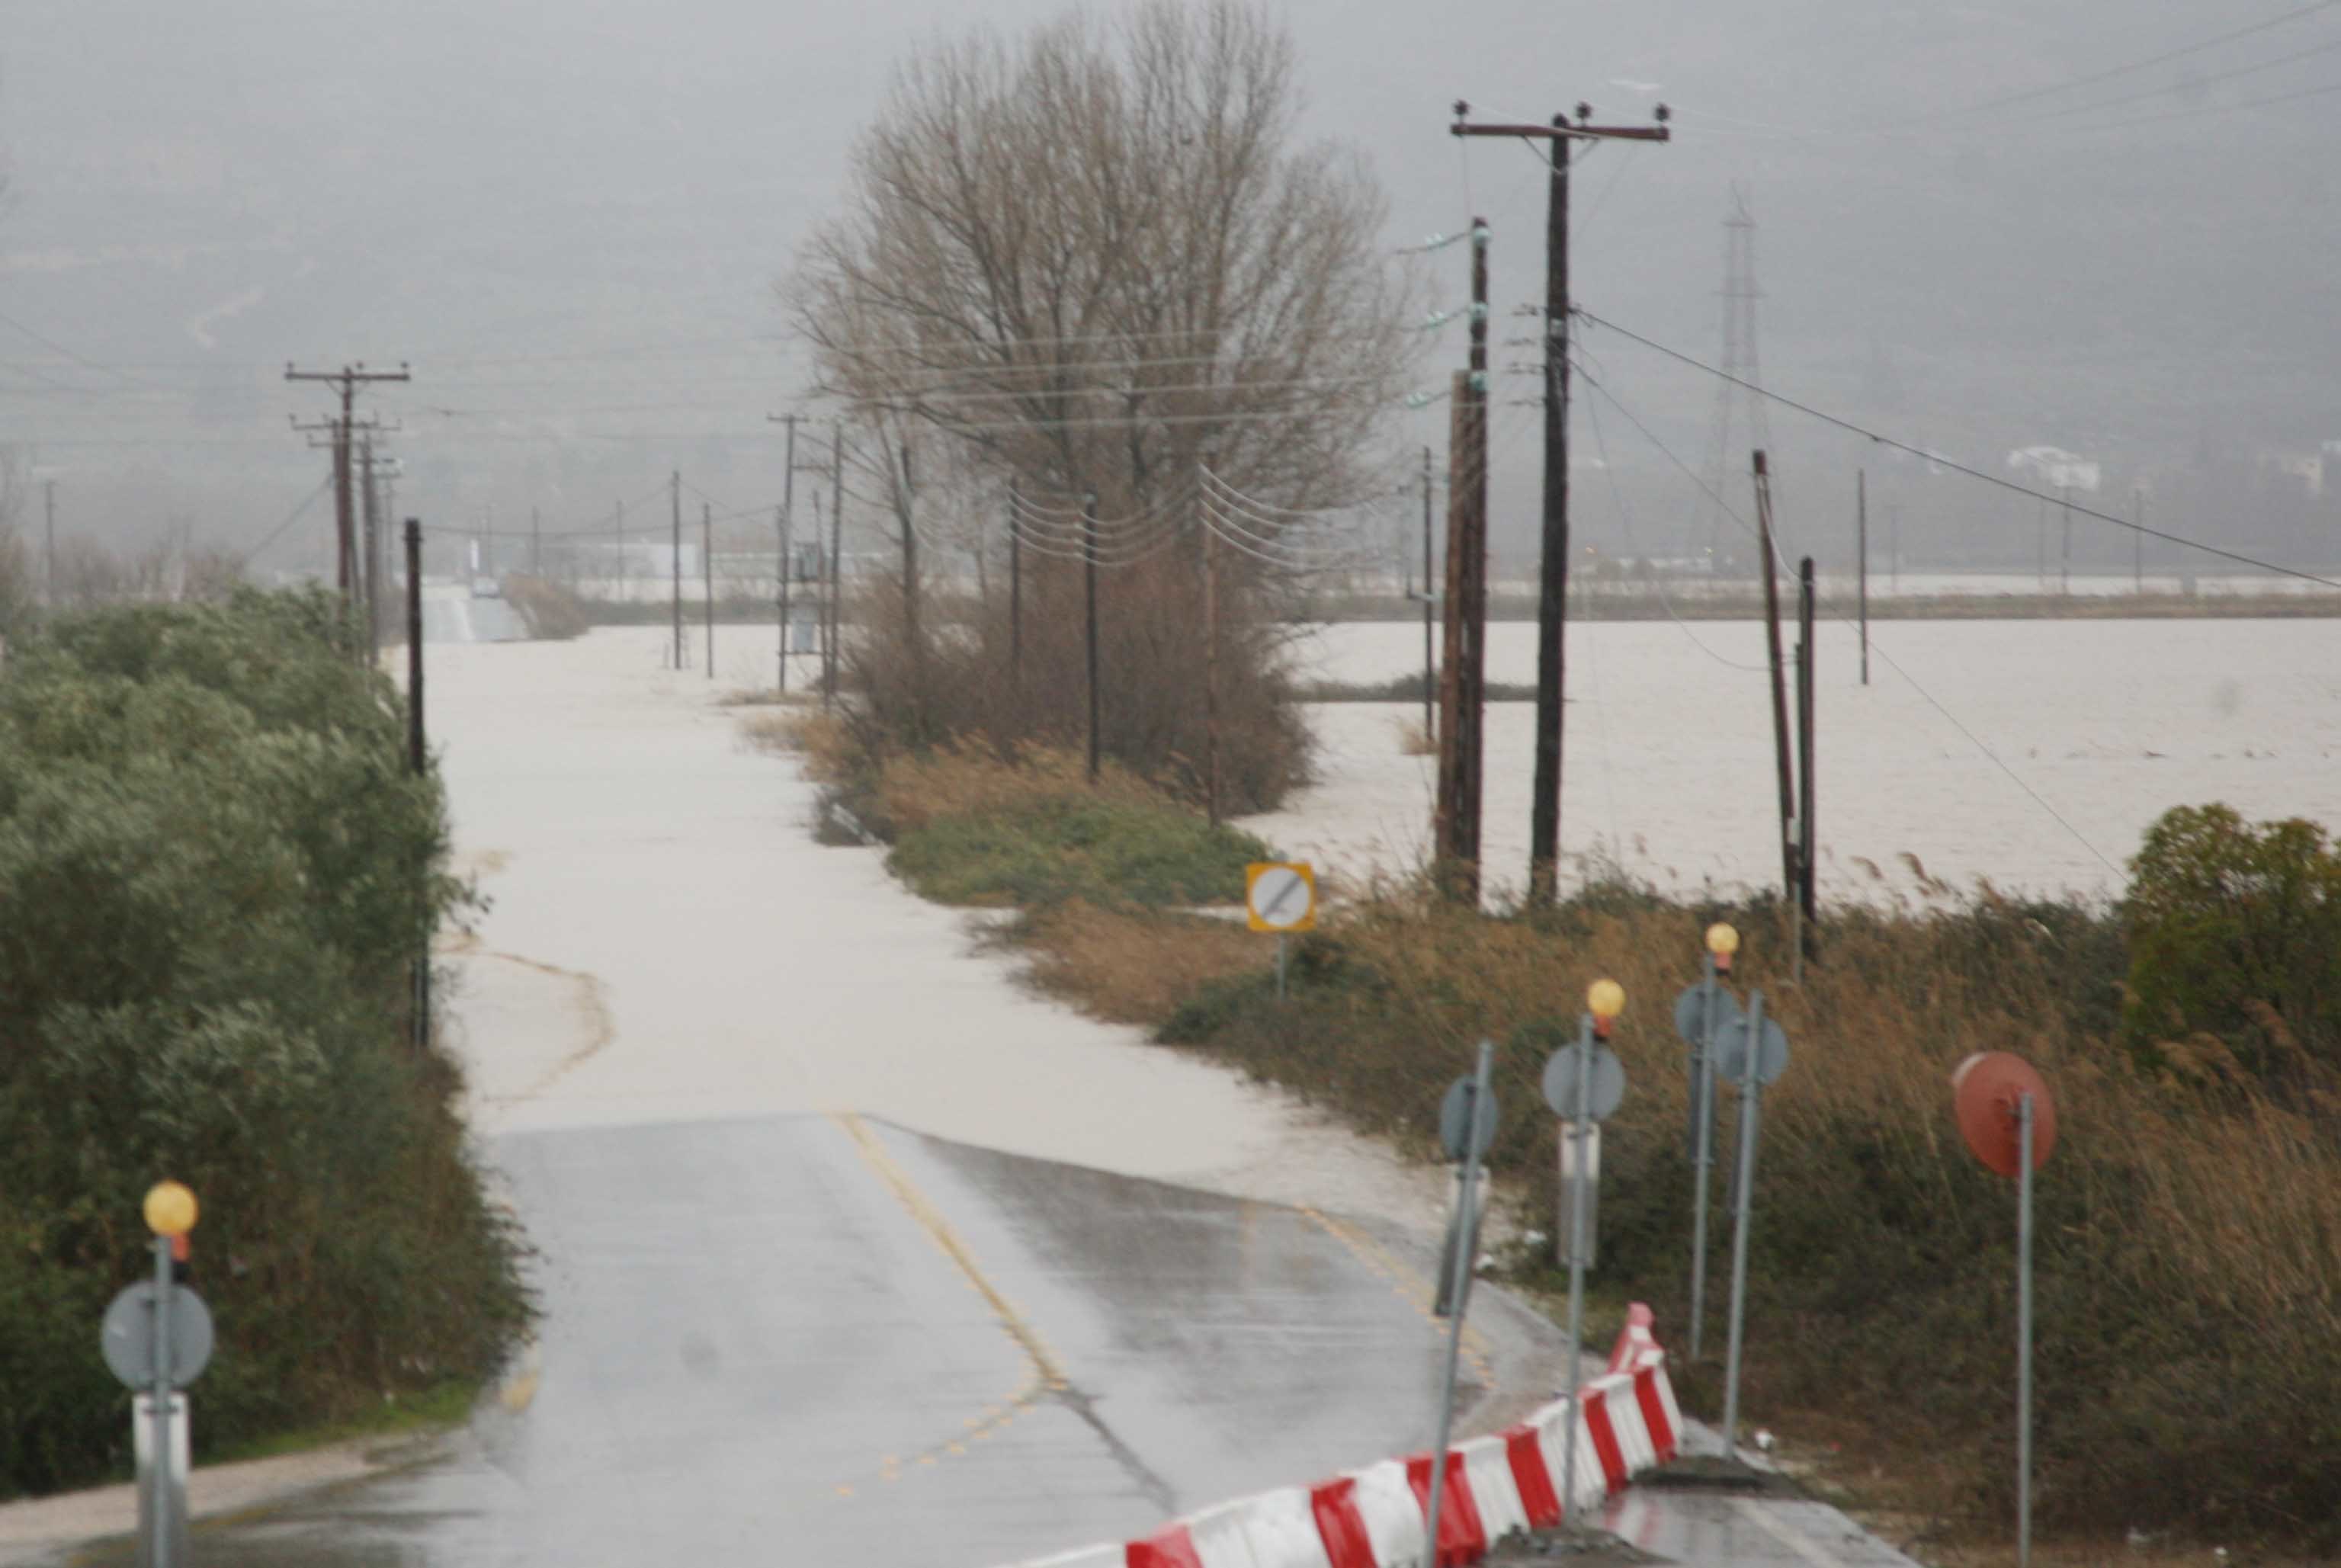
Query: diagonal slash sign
{"x": 1277, "y": 903}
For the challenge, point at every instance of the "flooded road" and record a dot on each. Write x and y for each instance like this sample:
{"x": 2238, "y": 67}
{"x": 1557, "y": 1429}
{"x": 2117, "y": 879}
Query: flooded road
{"x": 819, "y": 1339}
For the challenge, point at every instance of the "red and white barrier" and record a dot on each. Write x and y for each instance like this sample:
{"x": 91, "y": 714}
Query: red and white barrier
{"x": 1626, "y": 1423}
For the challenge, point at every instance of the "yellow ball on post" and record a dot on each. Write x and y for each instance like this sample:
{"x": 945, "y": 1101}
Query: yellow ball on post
{"x": 1605, "y": 999}
{"x": 1722, "y": 940}
{"x": 170, "y": 1209}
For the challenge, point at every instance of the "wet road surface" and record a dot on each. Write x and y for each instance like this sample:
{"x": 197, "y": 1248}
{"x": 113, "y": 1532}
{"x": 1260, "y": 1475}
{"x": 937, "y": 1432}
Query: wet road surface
{"x": 817, "y": 1339}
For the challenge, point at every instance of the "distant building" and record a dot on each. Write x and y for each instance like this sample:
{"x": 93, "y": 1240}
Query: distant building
{"x": 2057, "y": 468}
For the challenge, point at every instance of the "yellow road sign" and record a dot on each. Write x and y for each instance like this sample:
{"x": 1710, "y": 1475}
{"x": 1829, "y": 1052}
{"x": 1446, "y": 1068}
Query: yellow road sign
{"x": 1280, "y": 895}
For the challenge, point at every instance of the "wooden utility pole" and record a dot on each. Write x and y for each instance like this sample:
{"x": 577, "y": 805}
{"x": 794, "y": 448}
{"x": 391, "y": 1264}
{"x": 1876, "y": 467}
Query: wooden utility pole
{"x": 2065, "y": 544}
{"x": 1088, "y": 589}
{"x": 1430, "y": 697}
{"x": 785, "y": 526}
{"x": 1462, "y": 685}
{"x": 1807, "y": 688}
{"x": 1780, "y": 679}
{"x": 1211, "y": 680}
{"x": 347, "y": 380}
{"x": 366, "y": 589}
{"x": 1861, "y": 559}
{"x": 674, "y": 563}
{"x": 836, "y": 562}
{"x": 418, "y": 761}
{"x": 1015, "y": 598}
{"x": 1552, "y": 590}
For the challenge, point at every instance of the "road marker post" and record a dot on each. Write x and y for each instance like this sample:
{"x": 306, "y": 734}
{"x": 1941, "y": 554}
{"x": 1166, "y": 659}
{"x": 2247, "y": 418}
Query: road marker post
{"x": 156, "y": 1338}
{"x": 1700, "y": 1013}
{"x": 1583, "y": 1083}
{"x": 1467, "y": 1126}
{"x": 1281, "y": 896}
{"x": 1755, "y": 1052}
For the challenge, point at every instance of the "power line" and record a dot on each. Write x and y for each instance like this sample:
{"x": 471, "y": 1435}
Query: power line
{"x": 1931, "y": 700}
{"x": 2032, "y": 94}
{"x": 2193, "y": 84}
{"x": 292, "y": 517}
{"x": 1940, "y": 460}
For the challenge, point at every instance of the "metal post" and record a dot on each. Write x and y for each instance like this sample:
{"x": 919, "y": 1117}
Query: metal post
{"x": 1750, "y": 1090}
{"x": 1861, "y": 559}
{"x": 1458, "y": 1291}
{"x": 1579, "y": 1133}
{"x": 160, "y": 1471}
{"x": 2024, "y": 1332}
{"x": 1279, "y": 965}
{"x": 1089, "y": 575}
{"x": 1702, "y": 1149}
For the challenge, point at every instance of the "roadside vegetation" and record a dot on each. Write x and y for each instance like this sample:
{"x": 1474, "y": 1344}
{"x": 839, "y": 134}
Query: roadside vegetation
{"x": 214, "y": 869}
{"x": 2190, "y": 1227}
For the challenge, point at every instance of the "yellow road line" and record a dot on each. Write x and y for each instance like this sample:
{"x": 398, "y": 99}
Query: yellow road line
{"x": 1045, "y": 1375}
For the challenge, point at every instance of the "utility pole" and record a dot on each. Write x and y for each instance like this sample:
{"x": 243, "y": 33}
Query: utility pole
{"x": 1429, "y": 698}
{"x": 707, "y": 579}
{"x": 2065, "y": 544}
{"x": 1089, "y": 588}
{"x": 366, "y": 594}
{"x": 1807, "y": 690}
{"x": 347, "y": 380}
{"x": 1861, "y": 559}
{"x": 836, "y": 562}
{"x": 1552, "y": 592}
{"x": 786, "y": 524}
{"x": 674, "y": 563}
{"x": 1462, "y": 682}
{"x": 1779, "y": 682}
{"x": 418, "y": 759}
{"x": 1211, "y": 680}
{"x": 1016, "y": 598}
{"x": 49, "y": 549}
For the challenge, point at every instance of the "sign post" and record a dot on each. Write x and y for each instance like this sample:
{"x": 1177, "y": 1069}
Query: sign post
{"x": 1281, "y": 896}
{"x": 1755, "y": 1052}
{"x": 1466, "y": 1138}
{"x": 1701, "y": 1012}
{"x": 2009, "y": 1121}
{"x": 1583, "y": 1083}
{"x": 157, "y": 1338}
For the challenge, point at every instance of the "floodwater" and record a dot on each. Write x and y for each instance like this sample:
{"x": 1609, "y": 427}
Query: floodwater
{"x": 2032, "y": 752}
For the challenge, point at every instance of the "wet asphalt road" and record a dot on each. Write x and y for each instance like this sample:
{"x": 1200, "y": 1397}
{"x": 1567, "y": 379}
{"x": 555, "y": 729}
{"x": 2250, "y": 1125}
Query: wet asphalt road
{"x": 816, "y": 1339}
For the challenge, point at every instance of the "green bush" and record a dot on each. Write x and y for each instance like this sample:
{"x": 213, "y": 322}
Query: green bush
{"x": 1108, "y": 850}
{"x": 213, "y": 871}
{"x": 2235, "y": 932}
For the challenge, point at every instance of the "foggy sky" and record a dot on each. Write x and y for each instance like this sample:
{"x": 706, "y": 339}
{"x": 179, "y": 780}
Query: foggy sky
{"x": 568, "y": 218}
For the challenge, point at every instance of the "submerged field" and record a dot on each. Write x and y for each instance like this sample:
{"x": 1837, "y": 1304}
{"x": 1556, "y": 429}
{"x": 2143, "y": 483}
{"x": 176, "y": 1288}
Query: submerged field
{"x": 1669, "y": 764}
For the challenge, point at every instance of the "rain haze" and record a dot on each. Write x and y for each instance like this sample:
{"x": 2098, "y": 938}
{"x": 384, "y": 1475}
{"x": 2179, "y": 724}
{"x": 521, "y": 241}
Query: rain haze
{"x": 569, "y": 219}
{"x": 819, "y": 784}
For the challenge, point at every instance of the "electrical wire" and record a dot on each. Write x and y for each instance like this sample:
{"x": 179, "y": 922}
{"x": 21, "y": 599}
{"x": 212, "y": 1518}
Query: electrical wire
{"x": 292, "y": 517}
{"x": 2192, "y": 84}
{"x": 1940, "y": 460}
{"x": 1898, "y": 668}
{"x": 2032, "y": 94}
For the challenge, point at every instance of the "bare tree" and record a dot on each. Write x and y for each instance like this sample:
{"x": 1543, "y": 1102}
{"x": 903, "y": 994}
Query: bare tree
{"x": 1102, "y": 254}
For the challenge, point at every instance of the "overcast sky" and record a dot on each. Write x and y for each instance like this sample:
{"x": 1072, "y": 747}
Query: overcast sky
{"x": 568, "y": 217}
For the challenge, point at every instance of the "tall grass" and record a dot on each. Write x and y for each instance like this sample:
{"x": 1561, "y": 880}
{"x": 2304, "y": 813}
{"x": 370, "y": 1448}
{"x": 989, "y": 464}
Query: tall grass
{"x": 2190, "y": 1235}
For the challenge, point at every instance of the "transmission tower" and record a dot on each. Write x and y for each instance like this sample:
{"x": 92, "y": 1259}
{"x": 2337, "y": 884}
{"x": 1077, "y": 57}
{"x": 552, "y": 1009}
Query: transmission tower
{"x": 1728, "y": 460}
